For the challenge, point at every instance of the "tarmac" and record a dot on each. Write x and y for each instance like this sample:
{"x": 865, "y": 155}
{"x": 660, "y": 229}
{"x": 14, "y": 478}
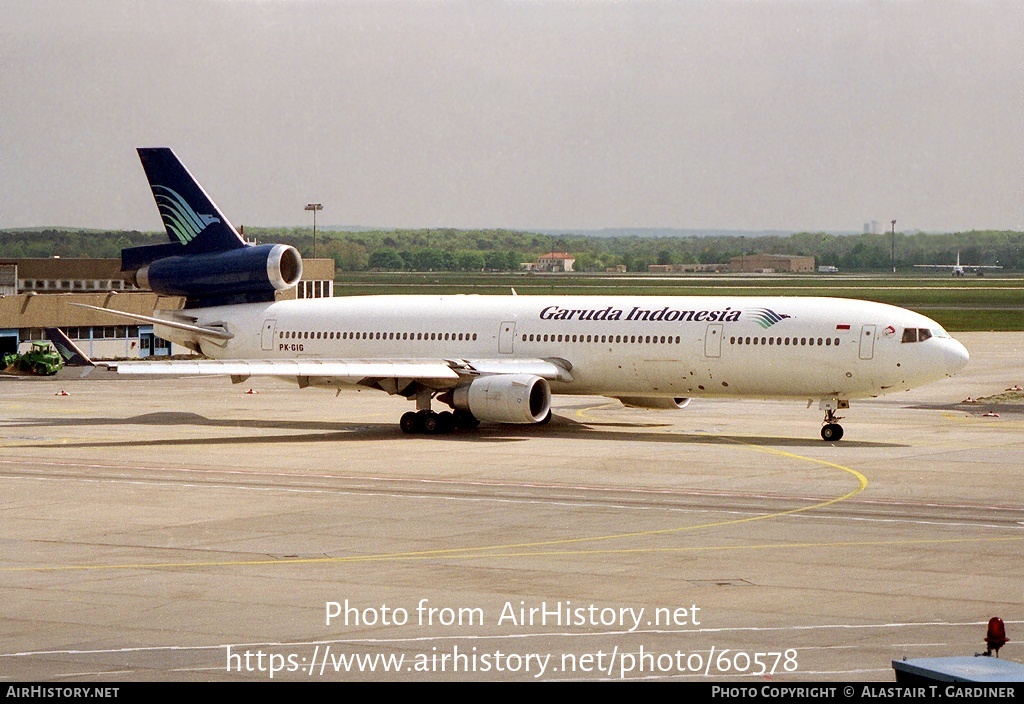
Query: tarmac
{"x": 185, "y": 529}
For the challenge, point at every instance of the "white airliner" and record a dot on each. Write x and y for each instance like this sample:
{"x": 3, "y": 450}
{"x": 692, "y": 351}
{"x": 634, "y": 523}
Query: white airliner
{"x": 959, "y": 269}
{"x": 499, "y": 358}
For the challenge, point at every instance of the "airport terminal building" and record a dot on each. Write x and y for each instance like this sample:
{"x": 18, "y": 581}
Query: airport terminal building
{"x": 37, "y": 293}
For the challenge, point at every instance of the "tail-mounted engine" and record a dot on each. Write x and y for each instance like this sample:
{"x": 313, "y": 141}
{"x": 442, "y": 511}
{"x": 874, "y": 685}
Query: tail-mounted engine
{"x": 247, "y": 274}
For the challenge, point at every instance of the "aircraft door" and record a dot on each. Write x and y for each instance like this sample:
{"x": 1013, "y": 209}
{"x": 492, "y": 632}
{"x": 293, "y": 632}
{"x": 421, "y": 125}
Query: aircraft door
{"x": 713, "y": 340}
{"x": 506, "y": 337}
{"x": 268, "y": 334}
{"x": 867, "y": 341}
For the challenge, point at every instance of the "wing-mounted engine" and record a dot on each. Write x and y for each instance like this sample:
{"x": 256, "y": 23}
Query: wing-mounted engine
{"x": 505, "y": 398}
{"x": 246, "y": 274}
{"x": 655, "y": 402}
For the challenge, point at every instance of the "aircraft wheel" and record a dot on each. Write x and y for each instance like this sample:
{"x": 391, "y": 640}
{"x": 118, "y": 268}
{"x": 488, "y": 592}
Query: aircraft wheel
{"x": 831, "y": 432}
{"x": 409, "y": 423}
{"x": 432, "y": 424}
{"x": 465, "y": 419}
{"x": 447, "y": 421}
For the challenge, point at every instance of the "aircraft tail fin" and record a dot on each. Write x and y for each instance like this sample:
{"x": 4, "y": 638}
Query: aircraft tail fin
{"x": 206, "y": 260}
{"x": 194, "y": 223}
{"x": 73, "y": 356}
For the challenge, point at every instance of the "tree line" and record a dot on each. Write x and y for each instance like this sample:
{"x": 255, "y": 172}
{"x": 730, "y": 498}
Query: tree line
{"x": 503, "y": 250}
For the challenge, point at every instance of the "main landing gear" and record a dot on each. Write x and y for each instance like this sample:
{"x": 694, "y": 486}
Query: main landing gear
{"x": 424, "y": 420}
{"x": 432, "y": 423}
{"x": 831, "y": 431}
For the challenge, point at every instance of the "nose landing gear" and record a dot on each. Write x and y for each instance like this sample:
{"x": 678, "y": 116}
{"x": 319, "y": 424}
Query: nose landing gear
{"x": 831, "y": 431}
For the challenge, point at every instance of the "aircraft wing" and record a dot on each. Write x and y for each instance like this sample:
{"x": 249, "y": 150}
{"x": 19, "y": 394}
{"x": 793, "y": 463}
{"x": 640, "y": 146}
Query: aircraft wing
{"x": 353, "y": 369}
{"x": 551, "y": 369}
{"x": 961, "y": 266}
{"x": 436, "y": 373}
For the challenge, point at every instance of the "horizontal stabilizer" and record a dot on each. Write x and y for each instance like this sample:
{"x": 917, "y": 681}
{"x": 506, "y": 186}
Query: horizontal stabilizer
{"x": 71, "y": 353}
{"x": 212, "y": 333}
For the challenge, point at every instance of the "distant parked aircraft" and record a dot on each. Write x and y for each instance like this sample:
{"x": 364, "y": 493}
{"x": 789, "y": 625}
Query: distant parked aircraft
{"x": 959, "y": 269}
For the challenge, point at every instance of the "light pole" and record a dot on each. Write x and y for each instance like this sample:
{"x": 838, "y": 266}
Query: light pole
{"x": 314, "y": 207}
{"x": 894, "y": 246}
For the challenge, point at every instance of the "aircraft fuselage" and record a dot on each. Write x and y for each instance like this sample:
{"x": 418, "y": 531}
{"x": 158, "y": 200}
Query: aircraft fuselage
{"x": 612, "y": 345}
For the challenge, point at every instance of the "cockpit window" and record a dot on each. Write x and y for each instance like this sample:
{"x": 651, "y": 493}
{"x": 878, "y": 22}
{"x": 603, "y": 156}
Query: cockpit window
{"x": 916, "y": 334}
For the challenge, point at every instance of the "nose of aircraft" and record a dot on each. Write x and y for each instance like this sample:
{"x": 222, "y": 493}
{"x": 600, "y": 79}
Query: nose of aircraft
{"x": 956, "y": 356}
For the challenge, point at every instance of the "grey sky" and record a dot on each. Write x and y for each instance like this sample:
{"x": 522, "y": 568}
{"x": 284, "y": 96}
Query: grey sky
{"x": 748, "y": 115}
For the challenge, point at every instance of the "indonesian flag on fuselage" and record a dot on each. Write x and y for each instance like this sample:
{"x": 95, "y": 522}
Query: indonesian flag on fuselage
{"x": 843, "y": 326}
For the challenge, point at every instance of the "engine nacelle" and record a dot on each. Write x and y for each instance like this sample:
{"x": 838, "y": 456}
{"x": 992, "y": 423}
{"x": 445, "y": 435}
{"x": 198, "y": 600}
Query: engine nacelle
{"x": 505, "y": 398}
{"x": 251, "y": 270}
{"x": 656, "y": 402}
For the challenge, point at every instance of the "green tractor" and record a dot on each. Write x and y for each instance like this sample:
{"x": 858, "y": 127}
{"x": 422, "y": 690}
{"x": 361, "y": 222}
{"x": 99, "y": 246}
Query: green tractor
{"x": 41, "y": 360}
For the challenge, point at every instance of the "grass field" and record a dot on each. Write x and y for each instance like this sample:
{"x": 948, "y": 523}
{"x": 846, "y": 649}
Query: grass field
{"x": 959, "y": 304}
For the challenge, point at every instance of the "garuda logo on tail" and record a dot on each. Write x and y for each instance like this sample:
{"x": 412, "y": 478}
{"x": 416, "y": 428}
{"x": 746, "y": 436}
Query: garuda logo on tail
{"x": 178, "y": 216}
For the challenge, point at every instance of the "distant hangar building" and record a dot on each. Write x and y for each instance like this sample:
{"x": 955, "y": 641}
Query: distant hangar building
{"x": 37, "y": 293}
{"x": 771, "y": 263}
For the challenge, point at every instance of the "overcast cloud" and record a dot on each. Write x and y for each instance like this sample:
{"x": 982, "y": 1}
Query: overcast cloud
{"x": 746, "y": 115}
